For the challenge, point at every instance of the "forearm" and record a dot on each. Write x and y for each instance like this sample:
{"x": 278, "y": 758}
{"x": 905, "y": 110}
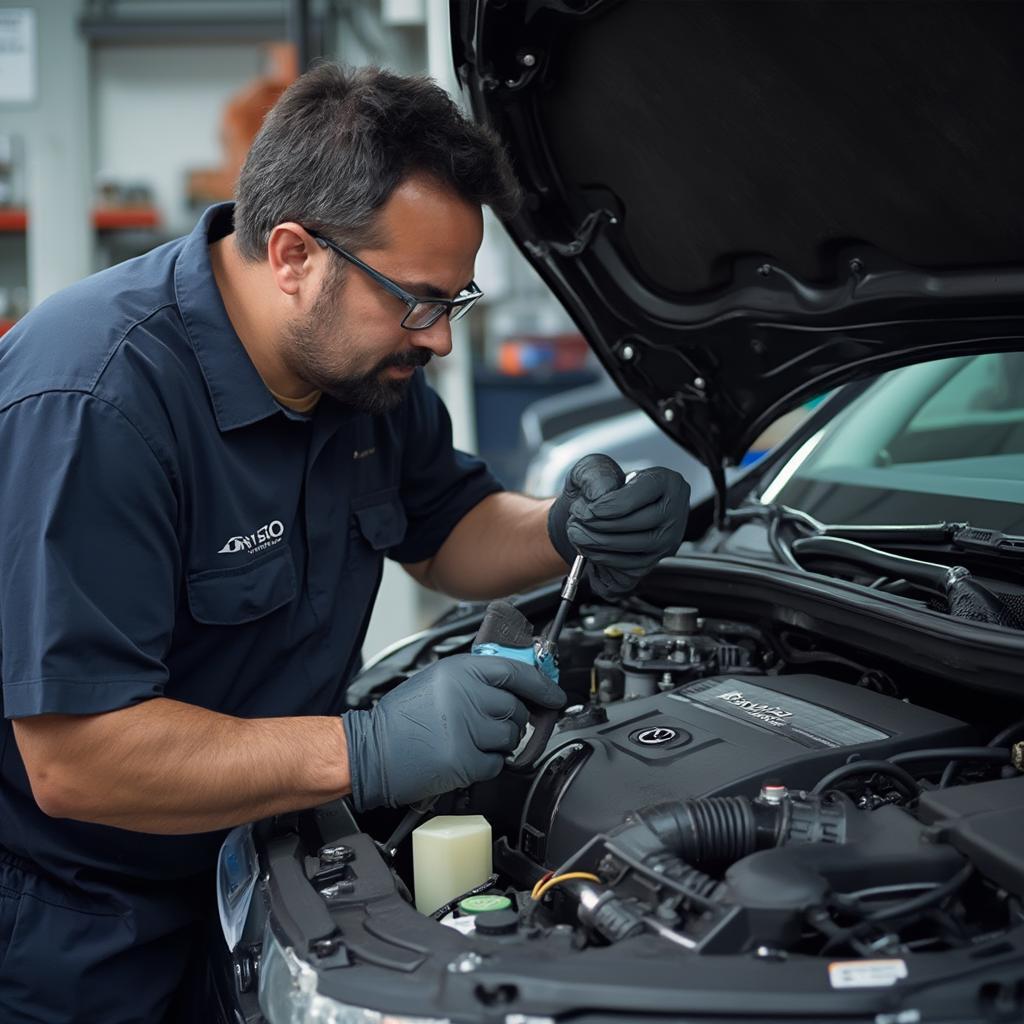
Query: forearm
{"x": 168, "y": 767}
{"x": 499, "y": 547}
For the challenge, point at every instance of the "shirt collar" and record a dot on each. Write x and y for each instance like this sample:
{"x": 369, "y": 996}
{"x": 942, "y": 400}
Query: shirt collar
{"x": 236, "y": 389}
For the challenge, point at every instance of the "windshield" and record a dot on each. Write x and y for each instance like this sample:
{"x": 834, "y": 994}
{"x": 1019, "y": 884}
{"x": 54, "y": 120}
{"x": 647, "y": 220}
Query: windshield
{"x": 940, "y": 441}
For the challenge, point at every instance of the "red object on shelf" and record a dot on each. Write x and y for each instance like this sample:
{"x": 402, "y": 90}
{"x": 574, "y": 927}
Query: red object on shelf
{"x": 13, "y": 219}
{"x": 104, "y": 218}
{"x": 113, "y": 218}
{"x": 5, "y": 326}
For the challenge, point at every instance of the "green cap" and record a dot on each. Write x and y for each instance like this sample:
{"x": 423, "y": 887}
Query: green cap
{"x": 483, "y": 903}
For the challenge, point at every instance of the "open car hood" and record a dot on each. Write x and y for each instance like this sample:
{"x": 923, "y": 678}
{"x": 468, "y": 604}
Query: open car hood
{"x": 744, "y": 204}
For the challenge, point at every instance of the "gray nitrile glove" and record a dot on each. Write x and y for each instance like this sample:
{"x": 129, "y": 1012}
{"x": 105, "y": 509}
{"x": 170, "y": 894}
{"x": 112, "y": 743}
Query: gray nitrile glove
{"x": 445, "y": 727}
{"x": 622, "y": 529}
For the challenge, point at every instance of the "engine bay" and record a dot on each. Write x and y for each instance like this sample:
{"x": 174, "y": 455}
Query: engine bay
{"x": 706, "y": 722}
{"x": 716, "y": 787}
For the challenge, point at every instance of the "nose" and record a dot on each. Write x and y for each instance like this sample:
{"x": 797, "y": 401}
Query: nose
{"x": 437, "y": 338}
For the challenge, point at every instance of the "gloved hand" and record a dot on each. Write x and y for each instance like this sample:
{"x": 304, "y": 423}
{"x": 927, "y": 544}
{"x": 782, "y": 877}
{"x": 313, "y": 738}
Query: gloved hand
{"x": 445, "y": 727}
{"x": 622, "y": 529}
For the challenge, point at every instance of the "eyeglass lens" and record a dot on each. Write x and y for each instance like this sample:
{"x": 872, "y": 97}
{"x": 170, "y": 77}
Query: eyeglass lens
{"x": 424, "y": 314}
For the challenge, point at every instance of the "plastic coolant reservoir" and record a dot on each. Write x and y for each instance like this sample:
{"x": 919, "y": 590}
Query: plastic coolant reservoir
{"x": 450, "y": 855}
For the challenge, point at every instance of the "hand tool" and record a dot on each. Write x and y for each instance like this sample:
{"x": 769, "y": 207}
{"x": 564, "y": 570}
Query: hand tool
{"x": 507, "y": 633}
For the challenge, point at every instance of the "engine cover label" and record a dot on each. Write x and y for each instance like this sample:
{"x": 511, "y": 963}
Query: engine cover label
{"x": 797, "y": 720}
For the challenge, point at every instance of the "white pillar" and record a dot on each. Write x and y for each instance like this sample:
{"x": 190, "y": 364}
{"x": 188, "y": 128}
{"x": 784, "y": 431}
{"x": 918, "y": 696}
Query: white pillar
{"x": 454, "y": 374}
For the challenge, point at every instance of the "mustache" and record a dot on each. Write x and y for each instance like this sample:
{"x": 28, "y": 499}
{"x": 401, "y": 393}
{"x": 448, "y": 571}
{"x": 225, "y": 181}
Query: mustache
{"x": 407, "y": 360}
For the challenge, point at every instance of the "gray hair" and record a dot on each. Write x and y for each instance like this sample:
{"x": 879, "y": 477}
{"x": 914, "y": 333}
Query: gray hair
{"x": 339, "y": 141}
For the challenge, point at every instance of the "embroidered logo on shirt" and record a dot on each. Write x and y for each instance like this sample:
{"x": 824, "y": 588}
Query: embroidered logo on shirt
{"x": 265, "y": 537}
{"x": 364, "y": 454}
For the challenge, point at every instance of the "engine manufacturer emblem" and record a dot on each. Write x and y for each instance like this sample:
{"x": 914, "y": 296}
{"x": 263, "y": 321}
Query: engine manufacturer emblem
{"x": 655, "y": 737}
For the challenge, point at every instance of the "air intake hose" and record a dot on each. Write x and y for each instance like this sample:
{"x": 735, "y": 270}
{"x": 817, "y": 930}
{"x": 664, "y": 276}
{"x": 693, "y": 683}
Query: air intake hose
{"x": 716, "y": 831}
{"x": 711, "y": 833}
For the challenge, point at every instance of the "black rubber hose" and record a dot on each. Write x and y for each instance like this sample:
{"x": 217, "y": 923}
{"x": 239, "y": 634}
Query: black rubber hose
{"x": 998, "y": 740}
{"x": 947, "y": 774}
{"x": 1007, "y": 734}
{"x": 902, "y": 780}
{"x": 927, "y": 574}
{"x": 926, "y": 899}
{"x": 712, "y": 831}
{"x": 794, "y": 516}
{"x": 992, "y": 755}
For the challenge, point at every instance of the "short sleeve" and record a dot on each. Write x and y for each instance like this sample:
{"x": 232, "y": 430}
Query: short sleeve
{"x": 439, "y": 483}
{"x": 89, "y": 558}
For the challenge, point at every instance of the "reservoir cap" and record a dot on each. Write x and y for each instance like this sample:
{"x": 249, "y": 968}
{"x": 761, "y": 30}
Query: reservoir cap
{"x": 484, "y": 903}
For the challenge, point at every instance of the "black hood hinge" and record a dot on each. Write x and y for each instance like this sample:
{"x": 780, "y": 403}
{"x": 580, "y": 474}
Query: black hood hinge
{"x": 583, "y": 237}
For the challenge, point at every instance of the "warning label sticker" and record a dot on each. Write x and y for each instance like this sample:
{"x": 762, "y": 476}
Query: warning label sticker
{"x": 866, "y": 973}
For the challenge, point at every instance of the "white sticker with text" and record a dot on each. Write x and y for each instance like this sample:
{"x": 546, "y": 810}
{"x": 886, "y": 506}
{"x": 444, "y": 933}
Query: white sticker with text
{"x": 866, "y": 973}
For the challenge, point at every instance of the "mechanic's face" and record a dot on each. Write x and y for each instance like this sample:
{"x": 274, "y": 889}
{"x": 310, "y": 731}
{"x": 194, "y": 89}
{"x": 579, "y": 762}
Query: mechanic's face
{"x": 351, "y": 345}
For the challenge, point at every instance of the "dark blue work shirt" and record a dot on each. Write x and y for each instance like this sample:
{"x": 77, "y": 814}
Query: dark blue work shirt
{"x": 168, "y": 529}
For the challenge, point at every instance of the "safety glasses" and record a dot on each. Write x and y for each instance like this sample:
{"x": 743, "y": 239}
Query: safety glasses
{"x": 420, "y": 313}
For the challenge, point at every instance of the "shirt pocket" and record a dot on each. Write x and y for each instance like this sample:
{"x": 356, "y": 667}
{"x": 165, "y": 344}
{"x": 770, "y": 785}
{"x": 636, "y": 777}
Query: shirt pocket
{"x": 230, "y": 597}
{"x": 379, "y": 520}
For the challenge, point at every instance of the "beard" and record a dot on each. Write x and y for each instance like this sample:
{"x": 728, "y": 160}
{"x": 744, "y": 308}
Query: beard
{"x": 318, "y": 350}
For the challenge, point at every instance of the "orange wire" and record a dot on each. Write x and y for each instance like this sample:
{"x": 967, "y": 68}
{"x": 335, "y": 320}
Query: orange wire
{"x": 540, "y": 881}
{"x": 543, "y": 886}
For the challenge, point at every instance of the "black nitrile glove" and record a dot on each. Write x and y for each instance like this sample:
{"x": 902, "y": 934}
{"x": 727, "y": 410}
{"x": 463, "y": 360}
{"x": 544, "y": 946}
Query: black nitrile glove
{"x": 622, "y": 529}
{"x": 445, "y": 727}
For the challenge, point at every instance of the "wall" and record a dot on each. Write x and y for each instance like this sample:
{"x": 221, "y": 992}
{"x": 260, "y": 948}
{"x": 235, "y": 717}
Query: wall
{"x": 157, "y": 112}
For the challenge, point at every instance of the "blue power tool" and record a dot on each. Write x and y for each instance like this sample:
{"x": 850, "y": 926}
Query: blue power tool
{"x": 505, "y": 632}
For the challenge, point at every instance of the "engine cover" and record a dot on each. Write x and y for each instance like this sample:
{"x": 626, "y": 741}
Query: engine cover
{"x": 719, "y": 736}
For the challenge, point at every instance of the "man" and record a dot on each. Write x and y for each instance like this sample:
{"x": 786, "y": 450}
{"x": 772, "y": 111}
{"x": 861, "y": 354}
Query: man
{"x": 207, "y": 452}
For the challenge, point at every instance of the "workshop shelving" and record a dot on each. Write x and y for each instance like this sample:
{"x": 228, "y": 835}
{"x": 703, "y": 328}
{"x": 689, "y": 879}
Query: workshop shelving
{"x": 14, "y": 220}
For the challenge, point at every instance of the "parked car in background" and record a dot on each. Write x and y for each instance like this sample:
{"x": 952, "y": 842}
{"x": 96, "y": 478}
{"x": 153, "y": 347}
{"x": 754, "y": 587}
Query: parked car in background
{"x": 557, "y": 431}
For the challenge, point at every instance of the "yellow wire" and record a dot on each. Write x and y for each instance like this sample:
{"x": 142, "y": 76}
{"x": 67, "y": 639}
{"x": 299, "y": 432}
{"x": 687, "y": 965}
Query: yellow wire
{"x": 541, "y": 888}
{"x": 540, "y": 881}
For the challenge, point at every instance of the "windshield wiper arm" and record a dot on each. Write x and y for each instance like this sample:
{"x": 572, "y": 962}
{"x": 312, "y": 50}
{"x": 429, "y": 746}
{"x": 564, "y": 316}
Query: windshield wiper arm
{"x": 956, "y": 536}
{"x": 961, "y": 536}
{"x": 965, "y": 597}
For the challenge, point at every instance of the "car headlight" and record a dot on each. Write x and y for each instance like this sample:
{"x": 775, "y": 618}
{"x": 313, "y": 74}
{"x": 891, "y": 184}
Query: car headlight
{"x": 288, "y": 993}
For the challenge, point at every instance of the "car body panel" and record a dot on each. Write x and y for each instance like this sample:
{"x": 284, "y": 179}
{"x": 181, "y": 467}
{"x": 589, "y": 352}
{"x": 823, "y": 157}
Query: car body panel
{"x": 732, "y": 244}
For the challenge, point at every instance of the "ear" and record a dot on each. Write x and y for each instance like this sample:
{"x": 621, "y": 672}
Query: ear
{"x": 293, "y": 256}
